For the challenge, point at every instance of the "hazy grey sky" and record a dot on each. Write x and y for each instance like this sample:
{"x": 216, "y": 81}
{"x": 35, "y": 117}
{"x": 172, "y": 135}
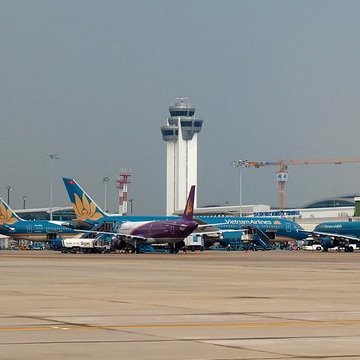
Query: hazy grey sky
{"x": 92, "y": 81}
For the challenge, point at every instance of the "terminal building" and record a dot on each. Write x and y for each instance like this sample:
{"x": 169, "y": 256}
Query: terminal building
{"x": 338, "y": 208}
{"x": 58, "y": 213}
{"x": 333, "y": 208}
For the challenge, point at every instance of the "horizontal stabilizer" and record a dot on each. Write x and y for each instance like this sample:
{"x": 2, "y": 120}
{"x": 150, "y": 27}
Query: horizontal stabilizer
{"x": 81, "y": 224}
{"x": 4, "y": 227}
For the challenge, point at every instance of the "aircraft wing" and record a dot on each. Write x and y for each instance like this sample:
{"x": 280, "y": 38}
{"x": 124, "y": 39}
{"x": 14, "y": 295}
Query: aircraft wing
{"x": 214, "y": 232}
{"x": 234, "y": 230}
{"x": 218, "y": 224}
{"x": 320, "y": 234}
{"x": 215, "y": 228}
{"x": 80, "y": 224}
{"x": 210, "y": 225}
{"x": 217, "y": 232}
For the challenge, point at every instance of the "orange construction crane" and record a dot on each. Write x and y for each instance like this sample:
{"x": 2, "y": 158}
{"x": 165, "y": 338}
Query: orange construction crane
{"x": 282, "y": 173}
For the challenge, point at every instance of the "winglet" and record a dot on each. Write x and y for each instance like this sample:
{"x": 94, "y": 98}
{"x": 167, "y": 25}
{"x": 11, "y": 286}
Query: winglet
{"x": 84, "y": 207}
{"x": 7, "y": 215}
{"x": 189, "y": 208}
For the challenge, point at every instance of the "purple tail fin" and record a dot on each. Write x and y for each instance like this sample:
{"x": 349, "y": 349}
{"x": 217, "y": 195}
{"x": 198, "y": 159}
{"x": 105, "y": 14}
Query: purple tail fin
{"x": 189, "y": 208}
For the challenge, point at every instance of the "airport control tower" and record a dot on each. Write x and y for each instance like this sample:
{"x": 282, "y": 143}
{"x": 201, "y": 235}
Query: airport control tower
{"x": 180, "y": 135}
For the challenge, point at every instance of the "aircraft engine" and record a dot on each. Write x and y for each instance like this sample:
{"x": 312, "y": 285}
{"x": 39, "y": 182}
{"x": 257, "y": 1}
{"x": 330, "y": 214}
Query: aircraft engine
{"x": 329, "y": 242}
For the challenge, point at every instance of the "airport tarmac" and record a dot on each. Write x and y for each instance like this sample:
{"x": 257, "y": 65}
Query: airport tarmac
{"x": 210, "y": 305}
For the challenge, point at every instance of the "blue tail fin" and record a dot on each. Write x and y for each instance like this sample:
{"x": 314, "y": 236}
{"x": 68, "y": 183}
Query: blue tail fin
{"x": 84, "y": 207}
{"x": 7, "y": 215}
{"x": 189, "y": 208}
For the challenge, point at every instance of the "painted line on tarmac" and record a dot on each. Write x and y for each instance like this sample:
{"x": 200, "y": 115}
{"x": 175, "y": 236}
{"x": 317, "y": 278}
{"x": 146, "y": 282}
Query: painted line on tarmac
{"x": 240, "y": 325}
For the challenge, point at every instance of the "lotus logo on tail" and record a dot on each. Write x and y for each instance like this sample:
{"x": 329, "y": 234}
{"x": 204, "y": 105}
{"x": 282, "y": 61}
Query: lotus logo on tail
{"x": 6, "y": 215}
{"x": 84, "y": 209}
{"x": 189, "y": 208}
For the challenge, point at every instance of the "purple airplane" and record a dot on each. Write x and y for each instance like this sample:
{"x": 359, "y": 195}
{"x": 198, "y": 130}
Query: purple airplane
{"x": 130, "y": 234}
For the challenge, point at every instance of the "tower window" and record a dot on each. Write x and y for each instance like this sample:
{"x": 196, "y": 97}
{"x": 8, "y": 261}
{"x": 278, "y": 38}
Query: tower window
{"x": 186, "y": 123}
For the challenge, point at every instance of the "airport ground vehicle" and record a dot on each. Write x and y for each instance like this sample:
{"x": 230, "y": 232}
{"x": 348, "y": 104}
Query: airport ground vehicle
{"x": 194, "y": 242}
{"x": 349, "y": 248}
{"x": 353, "y": 246}
{"x": 76, "y": 245}
{"x": 312, "y": 245}
{"x": 36, "y": 246}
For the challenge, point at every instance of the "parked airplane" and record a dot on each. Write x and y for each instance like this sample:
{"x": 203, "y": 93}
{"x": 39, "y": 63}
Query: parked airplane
{"x": 130, "y": 234}
{"x": 339, "y": 234}
{"x": 38, "y": 230}
{"x": 263, "y": 230}
{"x": 89, "y": 214}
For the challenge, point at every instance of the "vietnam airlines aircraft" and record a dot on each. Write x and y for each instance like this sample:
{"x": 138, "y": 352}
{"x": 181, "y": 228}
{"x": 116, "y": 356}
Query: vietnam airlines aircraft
{"x": 339, "y": 234}
{"x": 38, "y": 230}
{"x": 89, "y": 214}
{"x": 265, "y": 229}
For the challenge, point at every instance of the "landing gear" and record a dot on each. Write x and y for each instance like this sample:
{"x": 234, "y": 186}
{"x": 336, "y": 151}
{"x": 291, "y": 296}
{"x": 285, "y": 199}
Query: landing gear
{"x": 174, "y": 248}
{"x": 130, "y": 249}
{"x": 180, "y": 245}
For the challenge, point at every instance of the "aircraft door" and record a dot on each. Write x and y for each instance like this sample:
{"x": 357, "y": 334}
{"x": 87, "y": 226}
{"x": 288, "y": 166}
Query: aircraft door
{"x": 151, "y": 230}
{"x": 288, "y": 227}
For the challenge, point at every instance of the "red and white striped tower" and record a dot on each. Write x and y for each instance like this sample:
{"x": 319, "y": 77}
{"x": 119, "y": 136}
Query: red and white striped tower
{"x": 122, "y": 185}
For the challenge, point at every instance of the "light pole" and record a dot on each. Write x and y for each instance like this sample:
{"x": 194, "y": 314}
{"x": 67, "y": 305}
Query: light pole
{"x": 8, "y": 188}
{"x": 51, "y": 157}
{"x": 239, "y": 164}
{"x": 131, "y": 201}
{"x": 24, "y": 202}
{"x": 105, "y": 181}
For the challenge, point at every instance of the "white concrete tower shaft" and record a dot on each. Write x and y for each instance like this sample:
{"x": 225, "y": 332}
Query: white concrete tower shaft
{"x": 180, "y": 134}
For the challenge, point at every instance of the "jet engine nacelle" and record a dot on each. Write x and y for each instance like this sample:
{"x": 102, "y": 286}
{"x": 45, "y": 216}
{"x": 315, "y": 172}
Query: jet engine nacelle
{"x": 329, "y": 242}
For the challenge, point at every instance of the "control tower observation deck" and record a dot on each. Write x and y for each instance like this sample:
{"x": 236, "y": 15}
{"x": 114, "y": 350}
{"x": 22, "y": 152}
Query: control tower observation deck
{"x": 180, "y": 135}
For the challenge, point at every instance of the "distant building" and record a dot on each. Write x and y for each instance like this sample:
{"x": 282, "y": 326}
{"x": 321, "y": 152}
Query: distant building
{"x": 328, "y": 209}
{"x": 59, "y": 213}
{"x": 332, "y": 202}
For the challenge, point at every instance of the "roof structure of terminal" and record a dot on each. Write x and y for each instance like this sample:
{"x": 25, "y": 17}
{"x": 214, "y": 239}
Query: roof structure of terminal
{"x": 67, "y": 213}
{"x": 331, "y": 202}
